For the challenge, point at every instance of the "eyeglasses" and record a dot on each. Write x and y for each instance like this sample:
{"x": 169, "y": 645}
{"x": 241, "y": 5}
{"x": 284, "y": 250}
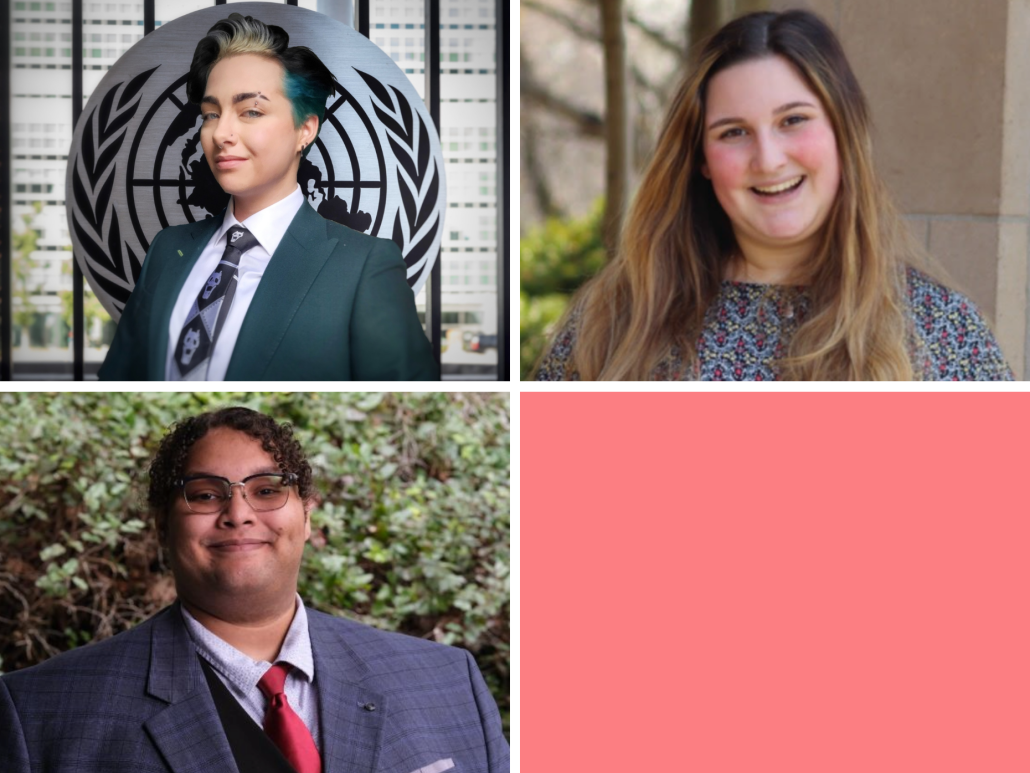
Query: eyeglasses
{"x": 211, "y": 493}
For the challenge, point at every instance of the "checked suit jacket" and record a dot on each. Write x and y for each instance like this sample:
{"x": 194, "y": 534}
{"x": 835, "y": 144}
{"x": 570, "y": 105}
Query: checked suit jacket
{"x": 139, "y": 702}
{"x": 333, "y": 305}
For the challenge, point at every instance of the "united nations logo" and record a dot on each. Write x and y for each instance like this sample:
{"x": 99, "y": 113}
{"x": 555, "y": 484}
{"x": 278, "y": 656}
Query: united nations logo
{"x": 137, "y": 166}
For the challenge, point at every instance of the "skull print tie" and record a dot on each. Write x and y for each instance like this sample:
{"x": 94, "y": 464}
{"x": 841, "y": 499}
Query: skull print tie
{"x": 208, "y": 313}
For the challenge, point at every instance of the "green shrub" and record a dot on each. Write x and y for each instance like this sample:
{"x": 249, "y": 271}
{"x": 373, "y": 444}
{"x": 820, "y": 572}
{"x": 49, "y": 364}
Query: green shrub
{"x": 411, "y": 534}
{"x": 538, "y": 319}
{"x": 554, "y": 260}
{"x": 560, "y": 255}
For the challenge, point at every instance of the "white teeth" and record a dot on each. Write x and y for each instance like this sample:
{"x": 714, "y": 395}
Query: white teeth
{"x": 782, "y": 187}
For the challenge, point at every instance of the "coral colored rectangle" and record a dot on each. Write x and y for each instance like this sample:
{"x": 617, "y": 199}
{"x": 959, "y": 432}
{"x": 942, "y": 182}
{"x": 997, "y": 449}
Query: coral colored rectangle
{"x": 775, "y": 582}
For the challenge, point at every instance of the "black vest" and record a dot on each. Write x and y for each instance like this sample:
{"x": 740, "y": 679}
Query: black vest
{"x": 253, "y": 750}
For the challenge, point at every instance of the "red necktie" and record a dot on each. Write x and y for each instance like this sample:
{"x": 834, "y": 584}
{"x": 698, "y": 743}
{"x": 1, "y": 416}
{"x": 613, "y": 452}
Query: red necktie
{"x": 284, "y": 727}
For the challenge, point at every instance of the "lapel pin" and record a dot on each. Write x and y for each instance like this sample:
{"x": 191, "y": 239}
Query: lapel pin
{"x": 180, "y": 253}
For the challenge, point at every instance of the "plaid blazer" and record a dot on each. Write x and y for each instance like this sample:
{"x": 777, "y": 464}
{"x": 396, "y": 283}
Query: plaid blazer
{"x": 139, "y": 702}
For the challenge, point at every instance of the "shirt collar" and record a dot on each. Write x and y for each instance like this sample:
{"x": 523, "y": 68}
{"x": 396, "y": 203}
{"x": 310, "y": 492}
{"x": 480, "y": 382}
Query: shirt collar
{"x": 241, "y": 669}
{"x": 270, "y": 224}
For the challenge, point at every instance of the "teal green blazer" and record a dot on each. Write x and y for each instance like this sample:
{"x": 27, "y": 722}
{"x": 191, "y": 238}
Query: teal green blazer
{"x": 333, "y": 305}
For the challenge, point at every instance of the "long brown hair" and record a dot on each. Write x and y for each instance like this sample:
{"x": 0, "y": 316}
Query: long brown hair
{"x": 652, "y": 297}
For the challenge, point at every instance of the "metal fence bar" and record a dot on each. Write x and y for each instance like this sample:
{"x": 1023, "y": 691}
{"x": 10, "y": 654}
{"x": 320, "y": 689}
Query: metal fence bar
{"x": 503, "y": 119}
{"x": 6, "y": 261}
{"x": 363, "y": 17}
{"x": 432, "y": 48}
{"x": 78, "y": 321}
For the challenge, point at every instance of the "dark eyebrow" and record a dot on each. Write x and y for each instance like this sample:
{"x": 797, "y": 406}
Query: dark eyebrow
{"x": 782, "y": 109}
{"x": 238, "y": 98}
{"x": 249, "y": 95}
{"x": 203, "y": 474}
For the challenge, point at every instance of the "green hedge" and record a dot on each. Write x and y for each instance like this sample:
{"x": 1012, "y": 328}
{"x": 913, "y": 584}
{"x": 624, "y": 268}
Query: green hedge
{"x": 411, "y": 534}
{"x": 555, "y": 259}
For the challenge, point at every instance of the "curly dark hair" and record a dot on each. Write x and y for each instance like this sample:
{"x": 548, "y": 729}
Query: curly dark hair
{"x": 170, "y": 460}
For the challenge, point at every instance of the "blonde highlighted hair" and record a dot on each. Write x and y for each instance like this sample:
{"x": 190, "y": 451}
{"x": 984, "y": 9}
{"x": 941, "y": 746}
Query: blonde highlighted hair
{"x": 652, "y": 297}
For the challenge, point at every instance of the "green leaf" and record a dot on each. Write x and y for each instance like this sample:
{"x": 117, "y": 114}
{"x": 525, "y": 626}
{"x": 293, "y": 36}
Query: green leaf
{"x": 53, "y": 551}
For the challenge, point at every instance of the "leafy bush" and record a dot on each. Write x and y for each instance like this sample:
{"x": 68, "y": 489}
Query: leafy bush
{"x": 560, "y": 255}
{"x": 554, "y": 260}
{"x": 411, "y": 534}
{"x": 538, "y": 318}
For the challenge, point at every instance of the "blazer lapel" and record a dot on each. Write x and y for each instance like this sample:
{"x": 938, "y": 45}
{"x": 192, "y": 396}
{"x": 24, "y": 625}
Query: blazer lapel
{"x": 352, "y": 717}
{"x": 188, "y": 733}
{"x": 291, "y": 272}
{"x": 172, "y": 280}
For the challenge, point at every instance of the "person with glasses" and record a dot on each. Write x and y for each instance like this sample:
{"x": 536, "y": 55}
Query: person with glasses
{"x": 267, "y": 289}
{"x": 238, "y": 674}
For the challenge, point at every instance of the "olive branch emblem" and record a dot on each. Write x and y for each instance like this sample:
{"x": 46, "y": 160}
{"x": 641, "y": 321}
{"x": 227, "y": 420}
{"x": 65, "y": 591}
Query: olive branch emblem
{"x": 417, "y": 176}
{"x": 92, "y": 180}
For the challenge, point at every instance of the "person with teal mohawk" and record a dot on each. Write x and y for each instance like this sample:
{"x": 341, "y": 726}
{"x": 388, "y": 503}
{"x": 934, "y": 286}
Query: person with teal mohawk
{"x": 267, "y": 289}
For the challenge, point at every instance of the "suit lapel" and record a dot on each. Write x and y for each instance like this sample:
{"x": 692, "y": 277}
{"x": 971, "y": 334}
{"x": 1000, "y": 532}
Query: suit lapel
{"x": 352, "y": 716}
{"x": 172, "y": 280}
{"x": 188, "y": 733}
{"x": 291, "y": 272}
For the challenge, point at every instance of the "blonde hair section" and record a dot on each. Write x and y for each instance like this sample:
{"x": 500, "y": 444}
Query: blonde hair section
{"x": 250, "y": 38}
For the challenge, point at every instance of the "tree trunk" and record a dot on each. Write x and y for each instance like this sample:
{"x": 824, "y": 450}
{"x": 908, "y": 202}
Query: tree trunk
{"x": 613, "y": 42}
{"x": 705, "y": 17}
{"x": 741, "y": 7}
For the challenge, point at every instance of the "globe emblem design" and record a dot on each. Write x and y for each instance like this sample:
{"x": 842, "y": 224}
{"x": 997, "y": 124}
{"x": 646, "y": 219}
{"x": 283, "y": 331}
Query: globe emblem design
{"x": 137, "y": 166}
{"x": 344, "y": 186}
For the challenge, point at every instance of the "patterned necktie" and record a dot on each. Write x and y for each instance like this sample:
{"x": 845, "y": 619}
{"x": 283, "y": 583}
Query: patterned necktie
{"x": 208, "y": 313}
{"x": 284, "y": 727}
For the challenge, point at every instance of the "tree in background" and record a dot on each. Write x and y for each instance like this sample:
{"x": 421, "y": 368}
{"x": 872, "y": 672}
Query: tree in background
{"x": 615, "y": 108}
{"x": 567, "y": 236}
{"x": 23, "y": 245}
{"x": 411, "y": 534}
{"x": 616, "y": 124}
{"x": 554, "y": 260}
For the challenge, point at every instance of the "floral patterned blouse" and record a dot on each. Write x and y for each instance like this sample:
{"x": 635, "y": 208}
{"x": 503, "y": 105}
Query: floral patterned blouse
{"x": 750, "y": 325}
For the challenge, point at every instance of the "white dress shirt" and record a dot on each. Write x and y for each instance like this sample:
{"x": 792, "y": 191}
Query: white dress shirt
{"x": 241, "y": 673}
{"x": 268, "y": 226}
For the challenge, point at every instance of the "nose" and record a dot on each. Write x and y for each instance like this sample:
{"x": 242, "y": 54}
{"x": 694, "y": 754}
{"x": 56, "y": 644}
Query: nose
{"x": 224, "y": 134}
{"x": 237, "y": 510}
{"x": 769, "y": 154}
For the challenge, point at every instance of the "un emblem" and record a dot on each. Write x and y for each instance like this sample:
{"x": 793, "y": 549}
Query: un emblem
{"x": 136, "y": 165}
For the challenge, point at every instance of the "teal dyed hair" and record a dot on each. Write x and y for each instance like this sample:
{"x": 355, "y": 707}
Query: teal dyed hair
{"x": 306, "y": 98}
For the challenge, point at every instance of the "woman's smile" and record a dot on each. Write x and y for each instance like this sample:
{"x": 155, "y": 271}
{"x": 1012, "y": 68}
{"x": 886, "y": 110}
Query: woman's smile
{"x": 779, "y": 192}
{"x": 771, "y": 156}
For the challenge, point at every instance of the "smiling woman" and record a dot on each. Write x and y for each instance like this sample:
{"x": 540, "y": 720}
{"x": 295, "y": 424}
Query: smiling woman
{"x": 762, "y": 244}
{"x": 267, "y": 289}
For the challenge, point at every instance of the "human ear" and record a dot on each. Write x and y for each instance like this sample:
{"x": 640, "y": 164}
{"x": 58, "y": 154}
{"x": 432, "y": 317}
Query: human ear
{"x": 307, "y": 132}
{"x": 705, "y": 172}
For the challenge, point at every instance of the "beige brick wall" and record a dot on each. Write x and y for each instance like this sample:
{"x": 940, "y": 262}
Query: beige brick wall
{"x": 947, "y": 84}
